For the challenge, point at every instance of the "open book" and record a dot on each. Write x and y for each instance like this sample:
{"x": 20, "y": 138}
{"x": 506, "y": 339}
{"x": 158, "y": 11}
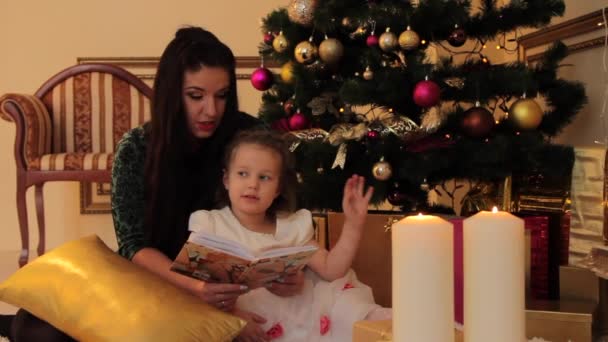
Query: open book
{"x": 215, "y": 259}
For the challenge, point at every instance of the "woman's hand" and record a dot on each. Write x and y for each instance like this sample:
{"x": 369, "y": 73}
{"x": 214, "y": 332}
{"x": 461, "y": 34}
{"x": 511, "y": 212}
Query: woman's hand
{"x": 222, "y": 296}
{"x": 252, "y": 332}
{"x": 355, "y": 201}
{"x": 291, "y": 285}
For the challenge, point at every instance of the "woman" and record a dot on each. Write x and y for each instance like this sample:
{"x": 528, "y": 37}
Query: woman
{"x": 171, "y": 166}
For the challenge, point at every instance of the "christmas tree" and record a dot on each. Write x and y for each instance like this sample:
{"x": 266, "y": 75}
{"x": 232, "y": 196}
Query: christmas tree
{"x": 401, "y": 92}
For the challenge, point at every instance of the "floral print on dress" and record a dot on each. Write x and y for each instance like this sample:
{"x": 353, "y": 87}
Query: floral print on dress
{"x": 275, "y": 331}
{"x": 325, "y": 324}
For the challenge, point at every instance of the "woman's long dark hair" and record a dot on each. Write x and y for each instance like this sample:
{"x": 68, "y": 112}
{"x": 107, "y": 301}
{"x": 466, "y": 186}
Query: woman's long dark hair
{"x": 181, "y": 172}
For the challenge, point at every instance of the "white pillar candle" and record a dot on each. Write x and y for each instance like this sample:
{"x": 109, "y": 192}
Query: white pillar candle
{"x": 494, "y": 279}
{"x": 423, "y": 279}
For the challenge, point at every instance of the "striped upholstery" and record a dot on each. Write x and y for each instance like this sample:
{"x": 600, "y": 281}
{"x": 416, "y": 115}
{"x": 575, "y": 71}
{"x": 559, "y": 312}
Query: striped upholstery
{"x": 90, "y": 112}
{"x": 37, "y": 122}
{"x": 73, "y": 162}
{"x": 77, "y": 124}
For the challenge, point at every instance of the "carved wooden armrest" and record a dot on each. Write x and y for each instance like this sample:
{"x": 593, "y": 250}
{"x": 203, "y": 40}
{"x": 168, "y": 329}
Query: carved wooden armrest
{"x": 33, "y": 137}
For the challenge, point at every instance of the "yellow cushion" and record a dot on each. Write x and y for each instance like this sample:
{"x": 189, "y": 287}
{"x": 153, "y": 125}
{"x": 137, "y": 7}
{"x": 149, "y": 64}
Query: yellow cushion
{"x": 91, "y": 293}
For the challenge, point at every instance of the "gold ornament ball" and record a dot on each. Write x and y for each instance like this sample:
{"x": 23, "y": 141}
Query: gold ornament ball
{"x": 368, "y": 74}
{"x": 388, "y": 41}
{"x": 382, "y": 171}
{"x": 331, "y": 50}
{"x": 287, "y": 73}
{"x": 348, "y": 22}
{"x": 409, "y": 40}
{"x": 280, "y": 43}
{"x": 305, "y": 52}
{"x": 301, "y": 11}
{"x": 526, "y": 114}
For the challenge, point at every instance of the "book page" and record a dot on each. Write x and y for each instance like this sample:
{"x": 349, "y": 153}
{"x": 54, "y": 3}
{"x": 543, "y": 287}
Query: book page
{"x": 269, "y": 269}
{"x": 281, "y": 251}
{"x": 222, "y": 244}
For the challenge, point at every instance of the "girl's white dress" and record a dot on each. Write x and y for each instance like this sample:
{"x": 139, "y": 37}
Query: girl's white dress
{"x": 323, "y": 311}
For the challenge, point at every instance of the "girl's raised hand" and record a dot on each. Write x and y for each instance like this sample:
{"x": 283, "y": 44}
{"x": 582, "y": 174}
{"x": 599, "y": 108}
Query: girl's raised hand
{"x": 355, "y": 200}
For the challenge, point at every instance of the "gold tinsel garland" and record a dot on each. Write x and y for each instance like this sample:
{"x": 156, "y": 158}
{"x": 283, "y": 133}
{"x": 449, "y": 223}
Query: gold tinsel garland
{"x": 388, "y": 123}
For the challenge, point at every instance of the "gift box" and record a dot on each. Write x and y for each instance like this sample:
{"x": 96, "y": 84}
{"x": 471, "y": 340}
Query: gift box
{"x": 380, "y": 331}
{"x": 561, "y": 320}
{"x": 366, "y": 331}
{"x": 577, "y": 283}
{"x": 545, "y": 196}
{"x": 544, "y": 190}
{"x": 590, "y": 283}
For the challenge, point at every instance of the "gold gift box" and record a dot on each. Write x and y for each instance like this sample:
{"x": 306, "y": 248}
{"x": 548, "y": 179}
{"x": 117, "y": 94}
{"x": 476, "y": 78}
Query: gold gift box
{"x": 578, "y": 283}
{"x": 381, "y": 331}
{"x": 373, "y": 331}
{"x": 560, "y": 321}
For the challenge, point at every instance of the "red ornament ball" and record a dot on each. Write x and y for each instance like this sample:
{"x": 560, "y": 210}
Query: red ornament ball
{"x": 477, "y": 122}
{"x": 298, "y": 121}
{"x": 268, "y": 38}
{"x": 373, "y": 135}
{"x": 372, "y": 40}
{"x": 457, "y": 38}
{"x": 426, "y": 93}
{"x": 262, "y": 79}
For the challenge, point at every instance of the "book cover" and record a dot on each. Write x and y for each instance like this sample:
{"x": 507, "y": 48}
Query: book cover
{"x": 214, "y": 259}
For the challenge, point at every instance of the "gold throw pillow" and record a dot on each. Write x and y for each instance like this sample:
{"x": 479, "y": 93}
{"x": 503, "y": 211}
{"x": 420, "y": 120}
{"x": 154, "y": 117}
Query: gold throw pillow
{"x": 93, "y": 294}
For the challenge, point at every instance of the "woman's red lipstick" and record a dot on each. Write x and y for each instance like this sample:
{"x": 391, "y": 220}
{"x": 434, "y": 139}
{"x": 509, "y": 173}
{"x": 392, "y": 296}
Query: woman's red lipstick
{"x": 205, "y": 126}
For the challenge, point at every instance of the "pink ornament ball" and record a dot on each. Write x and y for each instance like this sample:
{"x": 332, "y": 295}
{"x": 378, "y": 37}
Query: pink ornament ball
{"x": 268, "y": 38}
{"x": 262, "y": 79}
{"x": 372, "y": 40}
{"x": 426, "y": 93}
{"x": 298, "y": 121}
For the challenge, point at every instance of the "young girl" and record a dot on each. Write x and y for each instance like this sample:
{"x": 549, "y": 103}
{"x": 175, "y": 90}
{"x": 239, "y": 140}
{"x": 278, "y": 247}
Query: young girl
{"x": 259, "y": 190}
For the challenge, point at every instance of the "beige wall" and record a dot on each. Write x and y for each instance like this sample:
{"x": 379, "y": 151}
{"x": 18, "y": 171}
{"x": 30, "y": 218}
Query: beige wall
{"x": 41, "y": 37}
{"x": 575, "y": 8}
